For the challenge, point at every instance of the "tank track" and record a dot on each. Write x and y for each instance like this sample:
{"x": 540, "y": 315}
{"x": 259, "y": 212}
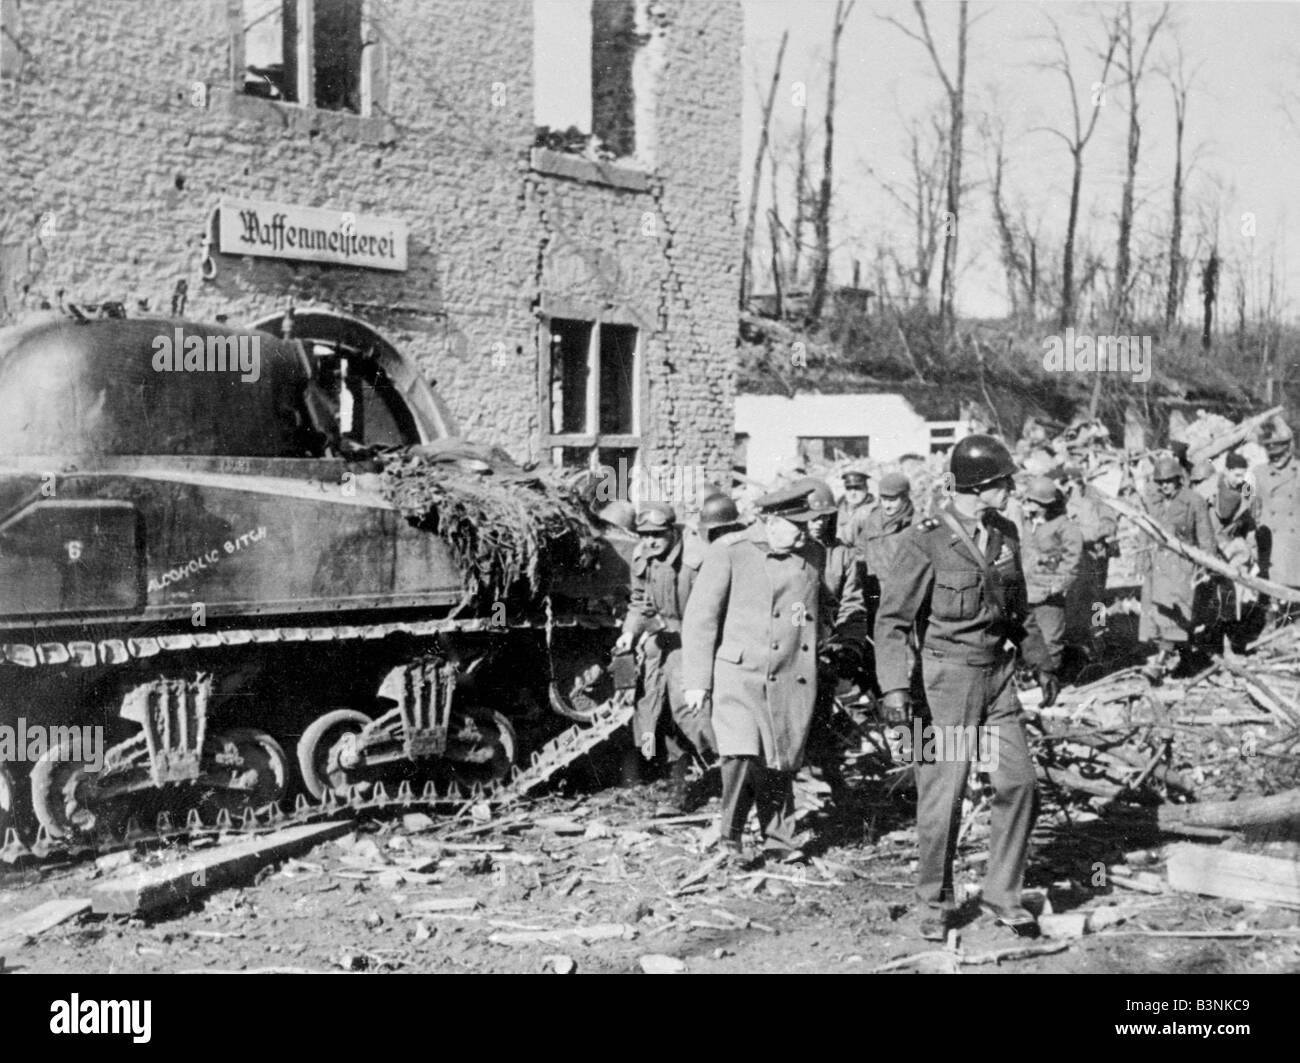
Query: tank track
{"x": 569, "y": 746}
{"x": 87, "y": 654}
{"x": 552, "y": 758}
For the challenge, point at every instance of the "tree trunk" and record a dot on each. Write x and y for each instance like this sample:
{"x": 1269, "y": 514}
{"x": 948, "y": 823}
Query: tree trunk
{"x": 800, "y": 196}
{"x": 957, "y": 103}
{"x": 822, "y": 219}
{"x": 1067, "y": 261}
{"x": 1172, "y": 295}
{"x": 747, "y": 245}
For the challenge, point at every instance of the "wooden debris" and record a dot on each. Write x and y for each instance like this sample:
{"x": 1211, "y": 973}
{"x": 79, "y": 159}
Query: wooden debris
{"x": 1141, "y": 882}
{"x": 17, "y": 930}
{"x": 1064, "y": 924}
{"x": 949, "y": 959}
{"x": 194, "y": 876}
{"x": 1232, "y": 815}
{"x": 1236, "y": 875}
{"x": 444, "y": 904}
{"x": 599, "y": 932}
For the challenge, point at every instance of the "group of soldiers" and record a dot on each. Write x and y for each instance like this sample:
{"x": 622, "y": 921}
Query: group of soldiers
{"x": 744, "y": 630}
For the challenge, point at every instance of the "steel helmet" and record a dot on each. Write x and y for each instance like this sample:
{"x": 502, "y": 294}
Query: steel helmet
{"x": 1275, "y": 434}
{"x": 716, "y": 511}
{"x": 1201, "y": 472}
{"x": 619, "y": 513}
{"x": 655, "y": 517}
{"x": 978, "y": 460}
{"x": 821, "y": 499}
{"x": 1043, "y": 490}
{"x": 1167, "y": 469}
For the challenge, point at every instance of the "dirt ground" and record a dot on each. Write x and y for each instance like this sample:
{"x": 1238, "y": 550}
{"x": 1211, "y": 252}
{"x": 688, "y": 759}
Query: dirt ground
{"x": 618, "y": 864}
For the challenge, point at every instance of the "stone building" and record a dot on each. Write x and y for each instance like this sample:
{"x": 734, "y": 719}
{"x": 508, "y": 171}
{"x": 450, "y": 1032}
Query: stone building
{"x": 402, "y": 173}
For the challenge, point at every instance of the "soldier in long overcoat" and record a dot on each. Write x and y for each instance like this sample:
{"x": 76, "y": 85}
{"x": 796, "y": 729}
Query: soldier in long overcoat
{"x": 1168, "y": 589}
{"x": 750, "y": 641}
{"x": 1277, "y": 508}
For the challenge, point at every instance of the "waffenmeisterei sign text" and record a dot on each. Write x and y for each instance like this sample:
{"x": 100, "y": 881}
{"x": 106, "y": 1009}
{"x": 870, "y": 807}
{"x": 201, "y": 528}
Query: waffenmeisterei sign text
{"x": 309, "y": 234}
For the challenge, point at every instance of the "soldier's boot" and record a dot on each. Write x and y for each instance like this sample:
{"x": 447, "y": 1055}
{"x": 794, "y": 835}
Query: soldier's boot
{"x": 680, "y": 792}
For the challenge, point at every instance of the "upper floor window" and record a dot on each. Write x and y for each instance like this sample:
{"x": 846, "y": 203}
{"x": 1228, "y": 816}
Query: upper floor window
{"x": 594, "y": 63}
{"x": 317, "y": 53}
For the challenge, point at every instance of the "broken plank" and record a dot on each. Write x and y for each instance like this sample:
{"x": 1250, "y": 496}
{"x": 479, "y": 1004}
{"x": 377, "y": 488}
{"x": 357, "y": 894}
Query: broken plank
{"x": 599, "y": 932}
{"x": 29, "y": 924}
{"x": 194, "y": 876}
{"x": 1234, "y": 875}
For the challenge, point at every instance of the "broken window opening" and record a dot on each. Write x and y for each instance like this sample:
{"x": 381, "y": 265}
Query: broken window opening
{"x": 318, "y": 53}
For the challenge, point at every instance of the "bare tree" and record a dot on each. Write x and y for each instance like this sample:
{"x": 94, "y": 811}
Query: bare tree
{"x": 1077, "y": 141}
{"x": 955, "y": 87}
{"x": 822, "y": 217}
{"x": 802, "y": 196}
{"x": 1132, "y": 61}
{"x": 1017, "y": 244}
{"x": 921, "y": 199}
{"x": 747, "y": 246}
{"x": 1181, "y": 82}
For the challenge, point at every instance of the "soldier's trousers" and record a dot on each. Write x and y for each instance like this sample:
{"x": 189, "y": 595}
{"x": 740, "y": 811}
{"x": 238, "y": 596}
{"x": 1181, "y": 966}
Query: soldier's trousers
{"x": 661, "y": 677}
{"x": 746, "y": 781}
{"x": 1051, "y": 622}
{"x": 961, "y": 694}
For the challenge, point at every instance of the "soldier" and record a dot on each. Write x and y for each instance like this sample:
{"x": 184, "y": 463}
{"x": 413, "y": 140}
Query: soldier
{"x": 845, "y": 648}
{"x": 957, "y": 585}
{"x": 1053, "y": 553}
{"x": 1098, "y": 528}
{"x": 661, "y": 585}
{"x": 750, "y": 638}
{"x": 875, "y": 529}
{"x": 856, "y": 499}
{"x": 1276, "y": 510}
{"x": 1230, "y": 495}
{"x": 1168, "y": 589}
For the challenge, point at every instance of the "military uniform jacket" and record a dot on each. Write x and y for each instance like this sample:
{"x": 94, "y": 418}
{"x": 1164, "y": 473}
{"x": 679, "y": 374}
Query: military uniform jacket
{"x": 846, "y": 516}
{"x": 1053, "y": 552}
{"x": 1095, "y": 521}
{"x": 876, "y": 535}
{"x": 750, "y": 636}
{"x": 1167, "y": 590}
{"x": 1277, "y": 518}
{"x": 660, "y": 588}
{"x": 938, "y": 588}
{"x": 844, "y": 600}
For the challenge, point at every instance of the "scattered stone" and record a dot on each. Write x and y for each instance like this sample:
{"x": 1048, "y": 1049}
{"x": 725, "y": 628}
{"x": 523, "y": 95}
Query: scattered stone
{"x": 373, "y": 919}
{"x": 1064, "y": 924}
{"x": 596, "y": 830}
{"x": 656, "y": 963}
{"x": 560, "y": 964}
{"x": 722, "y": 954}
{"x": 421, "y": 934}
{"x": 415, "y": 822}
{"x": 1107, "y": 915}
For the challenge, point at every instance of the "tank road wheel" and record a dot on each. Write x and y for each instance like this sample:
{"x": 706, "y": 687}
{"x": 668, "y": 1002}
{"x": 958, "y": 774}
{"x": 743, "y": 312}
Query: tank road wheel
{"x": 65, "y": 795}
{"x": 242, "y": 768}
{"x": 480, "y": 749}
{"x": 324, "y": 751}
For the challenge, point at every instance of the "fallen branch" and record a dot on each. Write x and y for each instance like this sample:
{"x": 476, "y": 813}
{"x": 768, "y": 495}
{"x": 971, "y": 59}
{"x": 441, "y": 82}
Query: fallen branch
{"x": 1169, "y": 541}
{"x": 1232, "y": 815}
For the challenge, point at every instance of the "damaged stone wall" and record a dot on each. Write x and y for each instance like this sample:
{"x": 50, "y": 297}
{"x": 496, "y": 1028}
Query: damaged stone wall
{"x": 113, "y": 162}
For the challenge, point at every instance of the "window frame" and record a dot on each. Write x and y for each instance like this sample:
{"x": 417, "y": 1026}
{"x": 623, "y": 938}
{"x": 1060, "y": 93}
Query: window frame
{"x": 593, "y": 440}
{"x": 372, "y": 77}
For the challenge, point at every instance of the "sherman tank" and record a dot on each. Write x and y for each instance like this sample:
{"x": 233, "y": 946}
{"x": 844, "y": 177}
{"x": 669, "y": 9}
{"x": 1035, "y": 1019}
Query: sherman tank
{"x": 229, "y": 572}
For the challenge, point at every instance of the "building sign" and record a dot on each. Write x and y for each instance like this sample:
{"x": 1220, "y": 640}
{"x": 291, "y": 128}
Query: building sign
{"x": 308, "y": 234}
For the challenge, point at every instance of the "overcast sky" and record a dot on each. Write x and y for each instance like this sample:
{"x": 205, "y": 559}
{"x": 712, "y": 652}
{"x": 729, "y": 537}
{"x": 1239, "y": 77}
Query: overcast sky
{"x": 1248, "y": 55}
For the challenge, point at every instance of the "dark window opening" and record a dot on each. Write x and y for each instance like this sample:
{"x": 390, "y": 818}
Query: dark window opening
{"x": 273, "y": 32}
{"x": 338, "y": 55}
{"x": 617, "y": 378}
{"x": 570, "y": 357}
